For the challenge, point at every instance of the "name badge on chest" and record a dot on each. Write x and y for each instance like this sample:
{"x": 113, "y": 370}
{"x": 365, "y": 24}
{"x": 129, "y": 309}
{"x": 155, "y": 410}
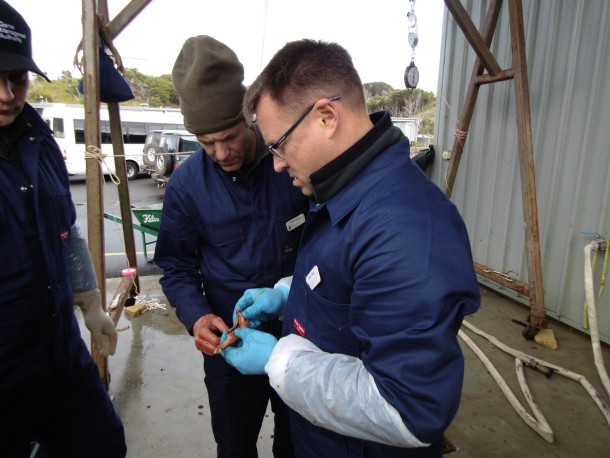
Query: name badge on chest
{"x": 295, "y": 222}
{"x": 313, "y": 278}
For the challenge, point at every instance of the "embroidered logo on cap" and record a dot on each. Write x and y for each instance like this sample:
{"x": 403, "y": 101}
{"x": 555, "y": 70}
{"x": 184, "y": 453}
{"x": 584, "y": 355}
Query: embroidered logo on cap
{"x": 8, "y": 32}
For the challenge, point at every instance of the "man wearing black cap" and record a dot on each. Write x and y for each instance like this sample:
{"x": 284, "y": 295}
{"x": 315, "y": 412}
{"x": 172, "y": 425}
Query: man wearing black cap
{"x": 50, "y": 388}
{"x": 229, "y": 223}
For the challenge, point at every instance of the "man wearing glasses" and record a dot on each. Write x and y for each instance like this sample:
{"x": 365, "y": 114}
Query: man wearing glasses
{"x": 229, "y": 223}
{"x": 369, "y": 361}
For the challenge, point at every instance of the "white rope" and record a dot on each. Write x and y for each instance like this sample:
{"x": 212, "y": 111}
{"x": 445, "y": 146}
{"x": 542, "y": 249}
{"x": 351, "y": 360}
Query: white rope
{"x": 151, "y": 304}
{"x": 93, "y": 152}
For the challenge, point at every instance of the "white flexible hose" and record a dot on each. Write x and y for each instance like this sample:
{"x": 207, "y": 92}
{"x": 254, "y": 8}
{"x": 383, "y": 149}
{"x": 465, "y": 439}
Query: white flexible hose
{"x": 538, "y": 424}
{"x": 531, "y": 361}
{"x": 592, "y": 315}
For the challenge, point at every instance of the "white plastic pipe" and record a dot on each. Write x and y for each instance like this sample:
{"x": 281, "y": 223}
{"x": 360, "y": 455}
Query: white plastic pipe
{"x": 592, "y": 315}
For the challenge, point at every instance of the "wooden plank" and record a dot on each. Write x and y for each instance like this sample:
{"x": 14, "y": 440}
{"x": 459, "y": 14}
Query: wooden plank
{"x": 125, "y": 16}
{"x": 526, "y": 162}
{"x": 502, "y": 279}
{"x": 478, "y": 43}
{"x": 502, "y": 76}
{"x": 122, "y": 187}
{"x": 95, "y": 179}
{"x": 124, "y": 296}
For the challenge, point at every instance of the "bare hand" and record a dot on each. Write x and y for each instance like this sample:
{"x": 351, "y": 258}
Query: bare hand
{"x": 206, "y": 332}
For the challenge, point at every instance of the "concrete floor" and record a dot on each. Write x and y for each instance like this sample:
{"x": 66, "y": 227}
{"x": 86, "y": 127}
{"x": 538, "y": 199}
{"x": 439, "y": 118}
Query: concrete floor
{"x": 158, "y": 390}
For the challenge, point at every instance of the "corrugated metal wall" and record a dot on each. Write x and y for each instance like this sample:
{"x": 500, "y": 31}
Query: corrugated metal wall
{"x": 568, "y": 55}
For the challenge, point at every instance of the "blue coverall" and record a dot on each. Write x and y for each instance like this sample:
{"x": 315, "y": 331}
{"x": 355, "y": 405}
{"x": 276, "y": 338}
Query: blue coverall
{"x": 50, "y": 388}
{"x": 384, "y": 274}
{"x": 222, "y": 233}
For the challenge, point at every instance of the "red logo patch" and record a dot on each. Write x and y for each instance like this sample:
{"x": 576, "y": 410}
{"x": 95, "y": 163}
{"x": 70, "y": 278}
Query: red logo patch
{"x": 64, "y": 235}
{"x": 299, "y": 327}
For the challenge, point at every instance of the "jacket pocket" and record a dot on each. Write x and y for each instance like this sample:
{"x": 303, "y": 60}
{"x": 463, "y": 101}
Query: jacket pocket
{"x": 327, "y": 323}
{"x": 288, "y": 231}
{"x": 225, "y": 236}
{"x": 225, "y": 252}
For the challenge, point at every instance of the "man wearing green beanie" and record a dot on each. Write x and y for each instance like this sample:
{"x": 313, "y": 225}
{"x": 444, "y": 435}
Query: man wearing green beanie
{"x": 229, "y": 223}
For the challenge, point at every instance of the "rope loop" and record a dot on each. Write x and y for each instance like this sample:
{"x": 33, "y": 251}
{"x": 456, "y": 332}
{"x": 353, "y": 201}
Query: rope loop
{"x": 151, "y": 304}
{"x": 93, "y": 152}
{"x": 461, "y": 135}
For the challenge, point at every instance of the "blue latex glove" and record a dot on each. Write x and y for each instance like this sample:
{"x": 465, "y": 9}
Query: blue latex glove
{"x": 250, "y": 355}
{"x": 260, "y": 305}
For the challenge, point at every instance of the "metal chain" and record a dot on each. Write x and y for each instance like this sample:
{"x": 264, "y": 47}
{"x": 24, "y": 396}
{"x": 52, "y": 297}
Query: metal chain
{"x": 412, "y": 22}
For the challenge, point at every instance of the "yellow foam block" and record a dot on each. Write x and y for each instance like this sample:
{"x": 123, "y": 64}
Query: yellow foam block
{"x": 547, "y": 338}
{"x": 135, "y": 310}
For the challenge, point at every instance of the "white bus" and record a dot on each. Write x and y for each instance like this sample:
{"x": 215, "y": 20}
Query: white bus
{"x": 67, "y": 122}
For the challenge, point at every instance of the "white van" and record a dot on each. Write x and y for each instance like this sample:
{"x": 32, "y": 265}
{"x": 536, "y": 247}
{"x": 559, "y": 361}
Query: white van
{"x": 68, "y": 124}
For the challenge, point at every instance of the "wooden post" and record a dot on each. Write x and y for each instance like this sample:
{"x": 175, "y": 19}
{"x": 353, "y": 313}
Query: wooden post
{"x": 95, "y": 179}
{"x": 123, "y": 188}
{"x": 122, "y": 297}
{"x": 537, "y": 319}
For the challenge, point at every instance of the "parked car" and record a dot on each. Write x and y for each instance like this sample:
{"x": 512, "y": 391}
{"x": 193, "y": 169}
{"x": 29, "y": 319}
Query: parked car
{"x": 165, "y": 151}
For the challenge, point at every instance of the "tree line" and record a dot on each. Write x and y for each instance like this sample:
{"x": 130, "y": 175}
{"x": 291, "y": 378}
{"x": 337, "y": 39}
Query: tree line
{"x": 159, "y": 91}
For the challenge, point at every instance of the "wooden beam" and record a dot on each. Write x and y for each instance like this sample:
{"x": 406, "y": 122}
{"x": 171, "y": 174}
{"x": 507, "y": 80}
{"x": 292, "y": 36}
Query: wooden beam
{"x": 502, "y": 76}
{"x": 95, "y": 179}
{"x": 478, "y": 43}
{"x": 114, "y": 115}
{"x": 122, "y": 297}
{"x": 502, "y": 279}
{"x": 526, "y": 162}
{"x": 124, "y": 18}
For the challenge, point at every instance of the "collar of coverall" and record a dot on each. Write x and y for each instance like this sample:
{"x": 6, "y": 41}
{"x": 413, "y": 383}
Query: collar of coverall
{"x": 337, "y": 173}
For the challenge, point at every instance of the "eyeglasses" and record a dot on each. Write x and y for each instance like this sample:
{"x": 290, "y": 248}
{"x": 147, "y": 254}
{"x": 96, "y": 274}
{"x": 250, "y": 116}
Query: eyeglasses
{"x": 273, "y": 149}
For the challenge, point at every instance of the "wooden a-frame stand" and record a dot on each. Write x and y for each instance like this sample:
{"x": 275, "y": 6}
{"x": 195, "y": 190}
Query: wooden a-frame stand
{"x": 485, "y": 61}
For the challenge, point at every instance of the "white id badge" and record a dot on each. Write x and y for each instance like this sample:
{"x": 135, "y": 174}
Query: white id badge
{"x": 295, "y": 222}
{"x": 313, "y": 278}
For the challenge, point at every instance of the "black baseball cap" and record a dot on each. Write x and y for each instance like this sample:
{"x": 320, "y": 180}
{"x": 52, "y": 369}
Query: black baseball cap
{"x": 15, "y": 42}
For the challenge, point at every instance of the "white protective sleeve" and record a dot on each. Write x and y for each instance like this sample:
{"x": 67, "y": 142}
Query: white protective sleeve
{"x": 336, "y": 392}
{"x": 286, "y": 281}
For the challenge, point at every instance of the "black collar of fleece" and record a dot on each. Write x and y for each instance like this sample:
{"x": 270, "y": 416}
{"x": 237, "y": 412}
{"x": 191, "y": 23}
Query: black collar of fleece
{"x": 337, "y": 173}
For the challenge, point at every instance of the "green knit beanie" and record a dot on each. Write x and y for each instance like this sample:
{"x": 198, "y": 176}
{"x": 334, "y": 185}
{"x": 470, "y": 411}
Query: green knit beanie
{"x": 208, "y": 77}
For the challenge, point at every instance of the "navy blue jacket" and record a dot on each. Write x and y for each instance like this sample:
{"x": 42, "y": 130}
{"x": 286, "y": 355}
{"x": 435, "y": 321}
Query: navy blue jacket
{"x": 394, "y": 280}
{"x": 222, "y": 233}
{"x": 36, "y": 214}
